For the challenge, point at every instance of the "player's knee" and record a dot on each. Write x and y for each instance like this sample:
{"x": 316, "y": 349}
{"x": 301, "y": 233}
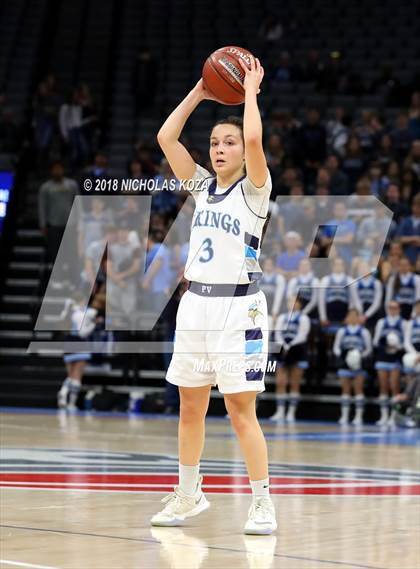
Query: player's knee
{"x": 190, "y": 412}
{"x": 241, "y": 419}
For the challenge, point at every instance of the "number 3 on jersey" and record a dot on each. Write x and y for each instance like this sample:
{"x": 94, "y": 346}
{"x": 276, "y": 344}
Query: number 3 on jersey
{"x": 207, "y": 250}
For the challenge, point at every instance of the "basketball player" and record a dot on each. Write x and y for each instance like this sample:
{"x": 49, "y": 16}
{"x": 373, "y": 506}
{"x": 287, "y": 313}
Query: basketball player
{"x": 223, "y": 315}
{"x": 291, "y": 334}
{"x": 388, "y": 342}
{"x": 352, "y": 345}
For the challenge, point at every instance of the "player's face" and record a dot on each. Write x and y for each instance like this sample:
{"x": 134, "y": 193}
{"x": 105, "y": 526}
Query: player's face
{"x": 226, "y": 149}
{"x": 393, "y": 309}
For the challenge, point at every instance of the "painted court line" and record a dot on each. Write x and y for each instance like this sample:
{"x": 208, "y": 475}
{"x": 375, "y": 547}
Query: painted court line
{"x": 21, "y": 564}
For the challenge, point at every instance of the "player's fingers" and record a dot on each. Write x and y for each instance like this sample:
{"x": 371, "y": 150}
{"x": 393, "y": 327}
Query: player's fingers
{"x": 244, "y": 67}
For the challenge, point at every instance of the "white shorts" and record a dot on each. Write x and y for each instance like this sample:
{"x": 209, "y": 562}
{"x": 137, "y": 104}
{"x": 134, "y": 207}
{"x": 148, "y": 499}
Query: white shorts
{"x": 220, "y": 341}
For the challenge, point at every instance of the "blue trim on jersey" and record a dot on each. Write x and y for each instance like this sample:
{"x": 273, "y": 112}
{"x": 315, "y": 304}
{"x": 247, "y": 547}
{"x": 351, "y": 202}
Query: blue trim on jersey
{"x": 252, "y": 240}
{"x": 216, "y": 198}
{"x": 78, "y": 357}
{"x": 250, "y": 252}
{"x": 253, "y": 347}
{"x": 253, "y": 334}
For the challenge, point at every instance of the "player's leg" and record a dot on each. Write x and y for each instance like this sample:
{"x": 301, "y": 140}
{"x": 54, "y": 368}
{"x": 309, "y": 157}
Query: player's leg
{"x": 242, "y": 412}
{"x": 359, "y": 399}
{"x": 383, "y": 396}
{"x": 345, "y": 400}
{"x": 281, "y": 392}
{"x": 296, "y": 374}
{"x": 188, "y": 499}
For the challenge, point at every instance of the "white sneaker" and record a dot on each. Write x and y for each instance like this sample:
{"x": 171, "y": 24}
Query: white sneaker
{"x": 180, "y": 506}
{"x": 290, "y": 418}
{"x": 343, "y": 421}
{"x": 261, "y": 517}
{"x": 278, "y": 415}
{"x": 62, "y": 397}
{"x": 382, "y": 421}
{"x": 357, "y": 421}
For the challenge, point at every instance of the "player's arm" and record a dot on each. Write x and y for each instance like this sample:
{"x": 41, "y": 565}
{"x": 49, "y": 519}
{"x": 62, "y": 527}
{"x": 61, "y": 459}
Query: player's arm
{"x": 180, "y": 160}
{"x": 337, "y": 343}
{"x": 256, "y": 164}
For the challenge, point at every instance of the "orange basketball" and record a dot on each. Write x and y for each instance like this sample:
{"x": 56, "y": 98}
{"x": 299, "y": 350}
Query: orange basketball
{"x": 224, "y": 77}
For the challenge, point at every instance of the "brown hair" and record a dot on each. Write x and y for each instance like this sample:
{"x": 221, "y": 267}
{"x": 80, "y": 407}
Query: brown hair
{"x": 233, "y": 120}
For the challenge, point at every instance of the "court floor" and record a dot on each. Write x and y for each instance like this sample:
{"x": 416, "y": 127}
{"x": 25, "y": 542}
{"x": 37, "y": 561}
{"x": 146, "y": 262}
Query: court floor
{"x": 77, "y": 491}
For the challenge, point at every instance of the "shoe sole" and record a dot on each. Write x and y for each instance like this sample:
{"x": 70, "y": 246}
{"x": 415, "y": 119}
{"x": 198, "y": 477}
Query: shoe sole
{"x": 262, "y": 531}
{"x": 179, "y": 521}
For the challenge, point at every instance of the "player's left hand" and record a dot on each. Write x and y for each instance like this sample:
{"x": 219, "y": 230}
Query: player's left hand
{"x": 253, "y": 75}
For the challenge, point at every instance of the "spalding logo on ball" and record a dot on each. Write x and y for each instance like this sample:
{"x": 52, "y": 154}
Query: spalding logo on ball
{"x": 224, "y": 77}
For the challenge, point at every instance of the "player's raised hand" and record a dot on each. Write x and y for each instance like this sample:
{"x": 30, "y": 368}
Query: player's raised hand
{"x": 204, "y": 93}
{"x": 253, "y": 75}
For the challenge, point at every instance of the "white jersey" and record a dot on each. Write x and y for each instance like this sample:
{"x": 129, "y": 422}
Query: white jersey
{"x": 226, "y": 230}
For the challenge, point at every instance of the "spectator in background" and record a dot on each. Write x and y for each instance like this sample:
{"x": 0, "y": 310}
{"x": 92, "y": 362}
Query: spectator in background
{"x": 90, "y": 122}
{"x": 389, "y": 263}
{"x": 338, "y": 132}
{"x": 312, "y": 144}
{"x": 71, "y": 129}
{"x": 94, "y": 252}
{"x": 159, "y": 274}
{"x": 393, "y": 201}
{"x": 97, "y": 171}
{"x": 378, "y": 182}
{"x": 323, "y": 203}
{"x": 376, "y": 227}
{"x": 343, "y": 237}
{"x": 353, "y": 163}
{"x": 368, "y": 131}
{"x": 144, "y": 81}
{"x": 412, "y": 162}
{"x": 288, "y": 262}
{"x": 9, "y": 133}
{"x": 339, "y": 182}
{"x": 284, "y": 125}
{"x": 385, "y": 151}
{"x": 401, "y": 136}
{"x": 164, "y": 199}
{"x": 47, "y": 102}
{"x": 289, "y": 211}
{"x": 122, "y": 270}
{"x": 92, "y": 223}
{"x": 323, "y": 178}
{"x": 312, "y": 67}
{"x": 55, "y": 201}
{"x": 275, "y": 154}
{"x": 143, "y": 153}
{"x": 284, "y": 70}
{"x": 270, "y": 33}
{"x": 408, "y": 232}
{"x": 414, "y": 116}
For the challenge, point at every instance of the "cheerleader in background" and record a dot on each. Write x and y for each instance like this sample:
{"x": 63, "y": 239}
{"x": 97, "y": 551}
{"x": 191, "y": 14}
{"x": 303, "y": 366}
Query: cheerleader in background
{"x": 82, "y": 324}
{"x": 273, "y": 286}
{"x": 352, "y": 345}
{"x": 291, "y": 333}
{"x": 305, "y": 287}
{"x": 369, "y": 291}
{"x": 404, "y": 287}
{"x": 336, "y": 297}
{"x": 411, "y": 358}
{"x": 388, "y": 342}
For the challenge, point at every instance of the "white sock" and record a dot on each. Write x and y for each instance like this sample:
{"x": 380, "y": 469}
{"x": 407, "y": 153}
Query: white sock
{"x": 66, "y": 384}
{"x": 75, "y": 387}
{"x": 188, "y": 478}
{"x": 345, "y": 407}
{"x": 260, "y": 487}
